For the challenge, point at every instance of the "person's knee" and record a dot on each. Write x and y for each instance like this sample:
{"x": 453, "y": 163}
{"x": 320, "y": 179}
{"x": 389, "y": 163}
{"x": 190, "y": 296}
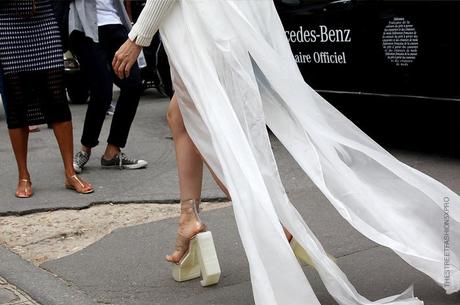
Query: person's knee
{"x": 174, "y": 119}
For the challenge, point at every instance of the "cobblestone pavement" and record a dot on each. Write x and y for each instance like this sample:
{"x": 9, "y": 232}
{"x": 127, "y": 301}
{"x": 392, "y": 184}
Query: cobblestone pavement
{"x": 10, "y": 295}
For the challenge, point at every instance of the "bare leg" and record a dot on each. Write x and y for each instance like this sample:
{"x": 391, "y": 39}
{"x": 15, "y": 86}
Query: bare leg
{"x": 86, "y": 149}
{"x": 189, "y": 162}
{"x": 19, "y": 139}
{"x": 110, "y": 151}
{"x": 190, "y": 169}
{"x": 64, "y": 136}
{"x": 218, "y": 182}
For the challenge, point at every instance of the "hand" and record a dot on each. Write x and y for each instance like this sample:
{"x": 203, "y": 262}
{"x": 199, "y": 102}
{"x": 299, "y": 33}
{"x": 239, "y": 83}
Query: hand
{"x": 125, "y": 58}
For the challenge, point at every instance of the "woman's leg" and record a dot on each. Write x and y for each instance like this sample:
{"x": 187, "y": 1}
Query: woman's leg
{"x": 64, "y": 136}
{"x": 189, "y": 161}
{"x": 219, "y": 183}
{"x": 190, "y": 170}
{"x": 19, "y": 139}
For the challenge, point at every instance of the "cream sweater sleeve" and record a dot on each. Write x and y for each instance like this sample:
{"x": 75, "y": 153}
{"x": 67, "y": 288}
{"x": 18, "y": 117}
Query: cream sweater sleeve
{"x": 149, "y": 21}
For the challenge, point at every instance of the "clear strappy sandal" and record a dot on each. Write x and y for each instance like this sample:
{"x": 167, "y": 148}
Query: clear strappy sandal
{"x": 199, "y": 257}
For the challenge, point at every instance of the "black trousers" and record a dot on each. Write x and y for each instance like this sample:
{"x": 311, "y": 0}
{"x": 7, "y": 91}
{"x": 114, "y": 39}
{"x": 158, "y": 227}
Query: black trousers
{"x": 96, "y": 65}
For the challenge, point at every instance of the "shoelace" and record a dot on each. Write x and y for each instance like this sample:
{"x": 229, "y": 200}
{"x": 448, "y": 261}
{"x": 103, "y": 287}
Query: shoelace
{"x": 122, "y": 157}
{"x": 81, "y": 159}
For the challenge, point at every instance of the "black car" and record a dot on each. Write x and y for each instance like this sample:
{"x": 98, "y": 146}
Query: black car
{"x": 393, "y": 67}
{"x": 377, "y": 47}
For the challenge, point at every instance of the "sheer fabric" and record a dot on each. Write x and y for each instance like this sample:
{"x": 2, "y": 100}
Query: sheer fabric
{"x": 234, "y": 73}
{"x": 35, "y": 98}
{"x": 31, "y": 59}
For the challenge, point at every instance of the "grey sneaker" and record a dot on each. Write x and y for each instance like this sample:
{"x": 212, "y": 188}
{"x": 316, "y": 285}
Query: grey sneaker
{"x": 111, "y": 110}
{"x": 79, "y": 161}
{"x": 122, "y": 161}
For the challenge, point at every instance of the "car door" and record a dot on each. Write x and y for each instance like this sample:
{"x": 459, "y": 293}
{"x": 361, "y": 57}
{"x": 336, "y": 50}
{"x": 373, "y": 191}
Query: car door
{"x": 380, "y": 47}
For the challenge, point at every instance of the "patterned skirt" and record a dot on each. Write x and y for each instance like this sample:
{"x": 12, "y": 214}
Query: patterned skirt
{"x": 31, "y": 57}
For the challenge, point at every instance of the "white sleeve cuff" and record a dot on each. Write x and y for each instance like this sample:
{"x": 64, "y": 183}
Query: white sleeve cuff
{"x": 149, "y": 21}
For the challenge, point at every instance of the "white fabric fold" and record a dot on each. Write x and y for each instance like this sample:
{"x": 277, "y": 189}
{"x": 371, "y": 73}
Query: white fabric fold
{"x": 233, "y": 73}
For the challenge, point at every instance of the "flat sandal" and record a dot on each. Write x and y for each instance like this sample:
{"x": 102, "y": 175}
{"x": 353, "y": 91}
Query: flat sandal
{"x": 27, "y": 181}
{"x": 73, "y": 188}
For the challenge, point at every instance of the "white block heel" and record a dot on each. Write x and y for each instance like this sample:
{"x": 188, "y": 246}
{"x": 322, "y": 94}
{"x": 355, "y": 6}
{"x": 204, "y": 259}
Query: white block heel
{"x": 200, "y": 260}
{"x": 207, "y": 256}
{"x": 201, "y": 257}
{"x": 189, "y": 267}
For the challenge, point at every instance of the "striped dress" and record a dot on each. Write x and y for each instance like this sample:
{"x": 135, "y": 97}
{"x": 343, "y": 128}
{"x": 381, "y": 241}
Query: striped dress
{"x": 32, "y": 60}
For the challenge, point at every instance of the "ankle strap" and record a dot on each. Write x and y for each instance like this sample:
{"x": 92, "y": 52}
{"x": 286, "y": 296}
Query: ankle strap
{"x": 190, "y": 206}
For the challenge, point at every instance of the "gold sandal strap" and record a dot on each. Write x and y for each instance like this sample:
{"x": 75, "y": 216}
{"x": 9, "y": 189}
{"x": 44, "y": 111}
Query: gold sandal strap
{"x": 26, "y": 188}
{"x": 75, "y": 177}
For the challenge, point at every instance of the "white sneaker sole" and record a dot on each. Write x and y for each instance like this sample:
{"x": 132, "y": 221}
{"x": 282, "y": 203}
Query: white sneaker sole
{"x": 138, "y": 165}
{"x": 77, "y": 169}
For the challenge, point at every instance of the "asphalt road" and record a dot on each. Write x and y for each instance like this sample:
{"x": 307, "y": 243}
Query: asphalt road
{"x": 127, "y": 267}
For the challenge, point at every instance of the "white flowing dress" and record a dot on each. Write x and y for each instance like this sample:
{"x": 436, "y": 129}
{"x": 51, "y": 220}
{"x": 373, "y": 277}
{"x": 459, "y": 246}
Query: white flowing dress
{"x": 234, "y": 73}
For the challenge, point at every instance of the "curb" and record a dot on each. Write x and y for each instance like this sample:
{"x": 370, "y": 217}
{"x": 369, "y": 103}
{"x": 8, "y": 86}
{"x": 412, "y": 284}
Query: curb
{"x": 8, "y": 213}
{"x": 40, "y": 285}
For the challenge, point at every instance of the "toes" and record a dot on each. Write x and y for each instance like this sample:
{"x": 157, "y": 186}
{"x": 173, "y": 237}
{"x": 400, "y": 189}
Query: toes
{"x": 170, "y": 259}
{"x": 24, "y": 190}
{"x": 88, "y": 187}
{"x": 23, "y": 194}
{"x": 174, "y": 258}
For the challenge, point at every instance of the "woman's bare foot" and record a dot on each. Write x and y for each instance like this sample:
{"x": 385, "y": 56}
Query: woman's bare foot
{"x": 189, "y": 226}
{"x": 24, "y": 189}
{"x": 78, "y": 185}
